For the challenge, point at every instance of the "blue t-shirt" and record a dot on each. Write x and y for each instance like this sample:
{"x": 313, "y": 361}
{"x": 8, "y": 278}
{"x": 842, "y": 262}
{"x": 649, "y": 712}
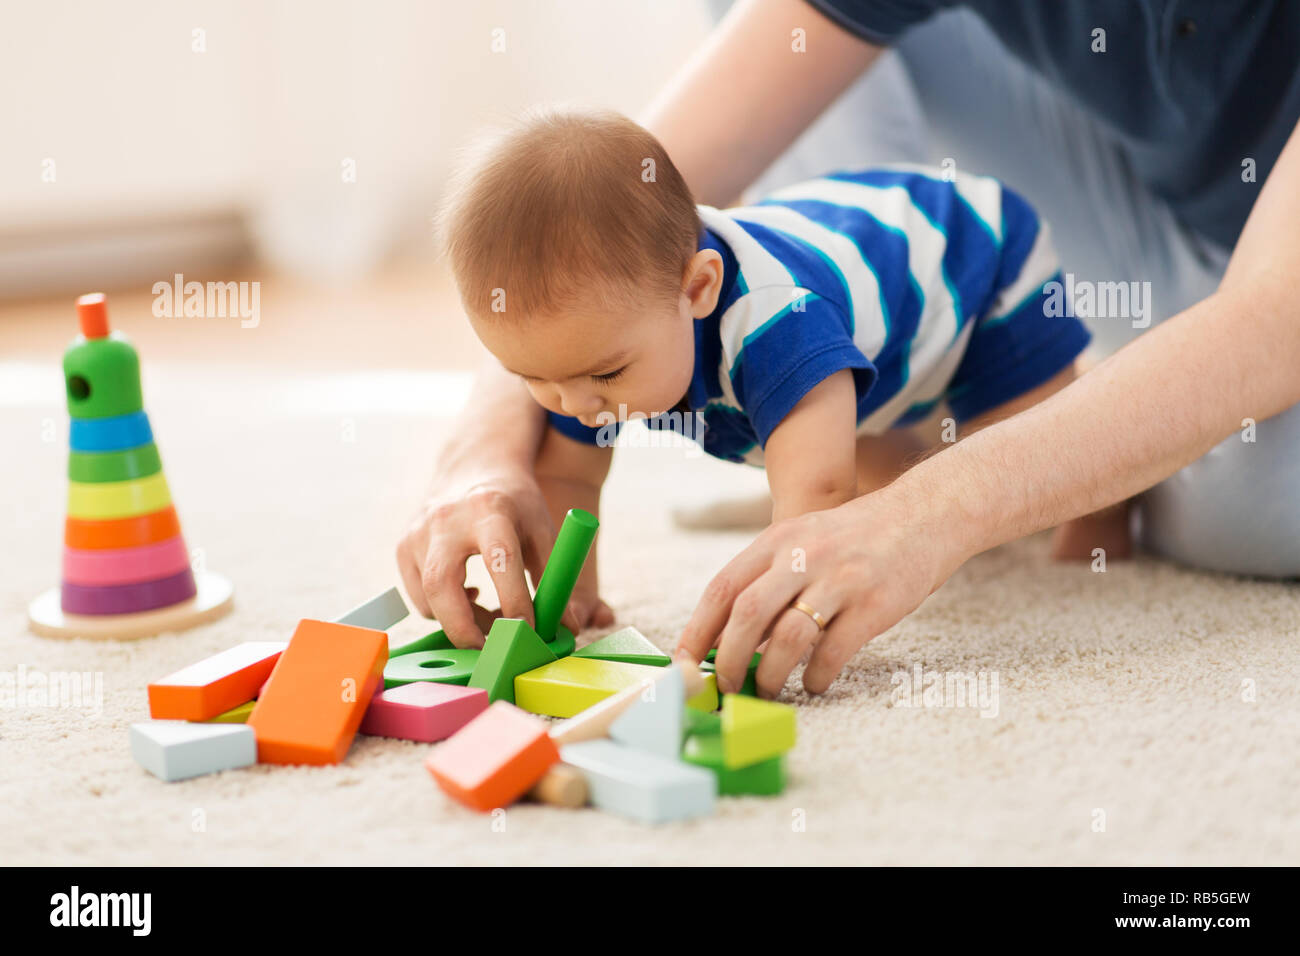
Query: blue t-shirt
{"x": 1192, "y": 88}
{"x": 931, "y": 290}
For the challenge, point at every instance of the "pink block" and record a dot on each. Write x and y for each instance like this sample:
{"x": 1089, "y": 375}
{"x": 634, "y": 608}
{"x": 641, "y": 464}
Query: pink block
{"x": 125, "y": 565}
{"x": 423, "y": 711}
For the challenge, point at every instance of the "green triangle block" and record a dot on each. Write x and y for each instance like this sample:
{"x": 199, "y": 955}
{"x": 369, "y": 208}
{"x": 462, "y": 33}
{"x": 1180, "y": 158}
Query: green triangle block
{"x": 698, "y": 722}
{"x": 512, "y": 648}
{"x": 750, "y": 687}
{"x": 754, "y": 730}
{"x": 628, "y": 646}
{"x": 765, "y": 778}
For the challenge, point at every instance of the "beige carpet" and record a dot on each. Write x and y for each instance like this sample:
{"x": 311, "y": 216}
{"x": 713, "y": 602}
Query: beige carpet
{"x": 1124, "y": 730}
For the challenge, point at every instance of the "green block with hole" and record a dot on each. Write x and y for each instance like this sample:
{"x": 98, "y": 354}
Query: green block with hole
{"x": 512, "y": 648}
{"x": 561, "y": 646}
{"x": 442, "y": 666}
{"x": 755, "y": 730}
{"x": 629, "y": 646}
{"x": 765, "y": 778}
{"x": 750, "y": 687}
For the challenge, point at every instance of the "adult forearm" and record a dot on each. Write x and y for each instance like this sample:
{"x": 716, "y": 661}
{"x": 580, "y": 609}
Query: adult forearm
{"x": 1153, "y": 407}
{"x": 500, "y": 424}
{"x": 759, "y": 80}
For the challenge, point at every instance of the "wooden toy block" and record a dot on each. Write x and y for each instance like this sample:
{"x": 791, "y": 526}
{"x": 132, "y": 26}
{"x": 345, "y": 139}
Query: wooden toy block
{"x": 654, "y": 723}
{"x": 177, "y": 749}
{"x": 572, "y": 544}
{"x": 750, "y": 687}
{"x": 512, "y": 648}
{"x": 454, "y": 666}
{"x": 765, "y": 778}
{"x": 423, "y": 711}
{"x": 640, "y": 785}
{"x": 594, "y": 722}
{"x": 754, "y": 730}
{"x": 379, "y": 613}
{"x": 628, "y": 646}
{"x": 561, "y": 786}
{"x": 318, "y": 695}
{"x": 494, "y": 759}
{"x": 698, "y": 722}
{"x": 572, "y": 684}
{"x": 437, "y": 641}
{"x": 706, "y": 699}
{"x": 560, "y": 646}
{"x": 215, "y": 684}
{"x": 235, "y": 715}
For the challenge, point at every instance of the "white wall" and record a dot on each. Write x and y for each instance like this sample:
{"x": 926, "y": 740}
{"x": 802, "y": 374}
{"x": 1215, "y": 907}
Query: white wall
{"x": 141, "y": 125}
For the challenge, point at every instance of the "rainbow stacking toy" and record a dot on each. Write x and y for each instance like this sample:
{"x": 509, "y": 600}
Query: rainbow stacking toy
{"x": 126, "y": 570}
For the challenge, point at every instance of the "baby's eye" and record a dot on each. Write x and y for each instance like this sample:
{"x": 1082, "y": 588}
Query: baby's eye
{"x": 609, "y": 377}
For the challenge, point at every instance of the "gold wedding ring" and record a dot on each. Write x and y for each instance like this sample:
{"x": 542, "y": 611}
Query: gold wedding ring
{"x": 816, "y": 618}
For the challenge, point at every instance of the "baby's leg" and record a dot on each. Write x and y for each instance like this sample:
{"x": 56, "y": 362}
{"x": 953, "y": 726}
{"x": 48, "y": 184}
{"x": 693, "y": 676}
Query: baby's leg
{"x": 1075, "y": 540}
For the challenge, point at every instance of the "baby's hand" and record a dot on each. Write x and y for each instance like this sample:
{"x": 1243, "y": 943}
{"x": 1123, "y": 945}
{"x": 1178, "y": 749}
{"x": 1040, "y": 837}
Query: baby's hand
{"x": 586, "y": 609}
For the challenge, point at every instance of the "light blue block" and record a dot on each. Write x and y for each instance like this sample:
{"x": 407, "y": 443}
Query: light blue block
{"x": 379, "y": 613}
{"x": 179, "y": 749}
{"x": 654, "y": 723}
{"x": 640, "y": 785}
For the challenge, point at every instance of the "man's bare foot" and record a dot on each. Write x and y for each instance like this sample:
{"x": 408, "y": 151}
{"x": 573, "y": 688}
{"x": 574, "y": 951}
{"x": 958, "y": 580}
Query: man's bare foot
{"x": 726, "y": 515}
{"x": 1107, "y": 529}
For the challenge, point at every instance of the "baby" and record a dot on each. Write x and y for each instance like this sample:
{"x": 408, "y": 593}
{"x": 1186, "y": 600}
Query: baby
{"x": 801, "y": 328}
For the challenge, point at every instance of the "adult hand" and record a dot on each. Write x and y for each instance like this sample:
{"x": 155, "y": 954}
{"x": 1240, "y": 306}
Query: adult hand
{"x": 499, "y": 513}
{"x": 862, "y": 566}
{"x": 485, "y": 500}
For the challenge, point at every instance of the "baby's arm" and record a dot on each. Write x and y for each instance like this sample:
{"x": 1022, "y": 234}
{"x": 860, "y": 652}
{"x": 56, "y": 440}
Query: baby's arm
{"x": 810, "y": 456}
{"x": 570, "y": 474}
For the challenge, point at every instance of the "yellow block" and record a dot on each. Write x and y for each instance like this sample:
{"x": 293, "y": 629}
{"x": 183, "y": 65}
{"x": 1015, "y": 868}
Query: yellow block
{"x": 97, "y": 501}
{"x": 572, "y": 684}
{"x": 707, "y": 699}
{"x": 235, "y": 715}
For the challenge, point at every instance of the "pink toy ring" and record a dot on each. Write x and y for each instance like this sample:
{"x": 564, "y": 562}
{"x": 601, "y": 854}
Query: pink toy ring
{"x": 125, "y": 565}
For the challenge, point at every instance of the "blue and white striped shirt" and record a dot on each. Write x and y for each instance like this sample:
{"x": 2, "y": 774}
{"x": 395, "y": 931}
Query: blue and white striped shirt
{"x": 930, "y": 291}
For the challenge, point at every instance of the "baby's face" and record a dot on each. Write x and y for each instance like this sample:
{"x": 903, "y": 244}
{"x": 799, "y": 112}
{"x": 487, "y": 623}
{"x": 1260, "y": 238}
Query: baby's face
{"x": 583, "y": 363}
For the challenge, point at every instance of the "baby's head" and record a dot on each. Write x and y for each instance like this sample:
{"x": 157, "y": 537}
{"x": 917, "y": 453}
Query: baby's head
{"x": 574, "y": 242}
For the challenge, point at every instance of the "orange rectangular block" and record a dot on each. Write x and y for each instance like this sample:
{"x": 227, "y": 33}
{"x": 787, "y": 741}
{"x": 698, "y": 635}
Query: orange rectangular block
{"x": 215, "y": 684}
{"x": 494, "y": 759}
{"x": 322, "y": 686}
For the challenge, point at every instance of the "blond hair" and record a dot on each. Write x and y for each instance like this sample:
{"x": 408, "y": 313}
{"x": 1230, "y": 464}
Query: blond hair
{"x": 567, "y": 206}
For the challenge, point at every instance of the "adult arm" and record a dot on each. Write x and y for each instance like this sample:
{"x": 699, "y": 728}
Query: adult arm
{"x": 1154, "y": 406}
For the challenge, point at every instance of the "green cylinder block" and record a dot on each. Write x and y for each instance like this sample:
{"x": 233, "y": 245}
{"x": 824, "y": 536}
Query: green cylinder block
{"x": 102, "y": 377}
{"x": 572, "y": 545}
